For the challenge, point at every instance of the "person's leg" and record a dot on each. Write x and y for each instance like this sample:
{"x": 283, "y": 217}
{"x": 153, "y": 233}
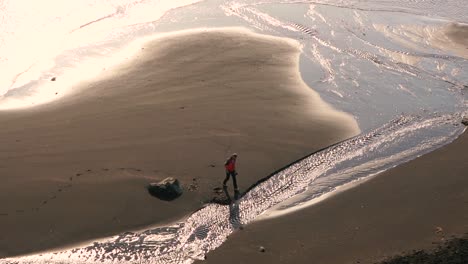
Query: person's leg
{"x": 234, "y": 180}
{"x": 226, "y": 179}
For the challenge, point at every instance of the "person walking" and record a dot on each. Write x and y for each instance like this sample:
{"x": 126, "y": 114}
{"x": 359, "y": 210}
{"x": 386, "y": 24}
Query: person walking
{"x": 230, "y": 166}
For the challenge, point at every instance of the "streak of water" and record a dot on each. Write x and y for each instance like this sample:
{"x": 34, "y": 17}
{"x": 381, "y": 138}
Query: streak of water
{"x": 359, "y": 58}
{"x": 370, "y": 58}
{"x": 315, "y": 175}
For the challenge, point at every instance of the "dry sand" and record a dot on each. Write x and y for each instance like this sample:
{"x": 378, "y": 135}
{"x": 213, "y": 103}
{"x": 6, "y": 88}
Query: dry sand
{"x": 76, "y": 169}
{"x": 413, "y": 206}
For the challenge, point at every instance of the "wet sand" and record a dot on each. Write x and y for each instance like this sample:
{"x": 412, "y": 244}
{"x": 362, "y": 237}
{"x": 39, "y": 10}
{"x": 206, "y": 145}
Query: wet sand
{"x": 453, "y": 37}
{"x": 76, "y": 169}
{"x": 458, "y": 33}
{"x": 417, "y": 205}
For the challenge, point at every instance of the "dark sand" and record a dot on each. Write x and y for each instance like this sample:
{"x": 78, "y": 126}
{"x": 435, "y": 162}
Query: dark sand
{"x": 77, "y": 169}
{"x": 414, "y": 206}
{"x": 453, "y": 251}
{"x": 458, "y": 33}
{"x": 453, "y": 37}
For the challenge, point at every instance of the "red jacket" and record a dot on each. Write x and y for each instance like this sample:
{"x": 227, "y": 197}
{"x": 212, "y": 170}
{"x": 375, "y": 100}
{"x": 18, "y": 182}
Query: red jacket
{"x": 230, "y": 165}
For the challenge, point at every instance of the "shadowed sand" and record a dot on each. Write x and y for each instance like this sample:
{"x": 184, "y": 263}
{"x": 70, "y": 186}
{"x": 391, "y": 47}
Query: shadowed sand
{"x": 76, "y": 169}
{"x": 414, "y": 206}
{"x": 454, "y": 37}
{"x": 459, "y": 34}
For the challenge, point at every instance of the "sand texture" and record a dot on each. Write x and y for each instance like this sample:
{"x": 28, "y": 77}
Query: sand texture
{"x": 453, "y": 37}
{"x": 415, "y": 206}
{"x": 76, "y": 169}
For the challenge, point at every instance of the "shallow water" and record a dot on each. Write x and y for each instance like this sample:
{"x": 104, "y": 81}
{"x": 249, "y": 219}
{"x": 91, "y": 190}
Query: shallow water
{"x": 386, "y": 62}
{"x": 318, "y": 174}
{"x": 373, "y": 59}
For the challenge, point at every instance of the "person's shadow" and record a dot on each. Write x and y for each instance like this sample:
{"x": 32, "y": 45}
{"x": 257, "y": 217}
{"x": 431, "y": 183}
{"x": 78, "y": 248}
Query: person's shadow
{"x": 234, "y": 217}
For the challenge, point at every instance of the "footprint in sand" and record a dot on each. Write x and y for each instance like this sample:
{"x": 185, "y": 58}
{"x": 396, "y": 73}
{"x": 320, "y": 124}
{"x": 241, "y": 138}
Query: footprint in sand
{"x": 62, "y": 188}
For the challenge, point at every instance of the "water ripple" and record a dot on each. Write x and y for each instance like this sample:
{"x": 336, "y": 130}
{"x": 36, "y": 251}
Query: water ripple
{"x": 315, "y": 175}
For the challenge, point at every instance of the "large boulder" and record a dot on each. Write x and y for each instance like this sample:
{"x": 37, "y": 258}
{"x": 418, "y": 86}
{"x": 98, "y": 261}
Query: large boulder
{"x": 167, "y": 189}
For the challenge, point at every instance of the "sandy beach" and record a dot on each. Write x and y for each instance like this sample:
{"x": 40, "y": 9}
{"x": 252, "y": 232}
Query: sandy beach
{"x": 452, "y": 37}
{"x": 415, "y": 206}
{"x": 458, "y": 33}
{"x": 76, "y": 169}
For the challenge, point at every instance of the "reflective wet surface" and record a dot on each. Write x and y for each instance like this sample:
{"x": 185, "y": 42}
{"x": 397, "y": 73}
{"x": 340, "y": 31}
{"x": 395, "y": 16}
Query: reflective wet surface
{"x": 318, "y": 174}
{"x": 400, "y": 67}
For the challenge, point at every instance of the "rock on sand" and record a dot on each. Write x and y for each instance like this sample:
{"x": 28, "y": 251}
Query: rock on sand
{"x": 167, "y": 189}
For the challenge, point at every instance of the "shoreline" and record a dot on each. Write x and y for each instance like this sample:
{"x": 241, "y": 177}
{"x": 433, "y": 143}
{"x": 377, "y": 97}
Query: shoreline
{"x": 409, "y": 207}
{"x": 82, "y": 163}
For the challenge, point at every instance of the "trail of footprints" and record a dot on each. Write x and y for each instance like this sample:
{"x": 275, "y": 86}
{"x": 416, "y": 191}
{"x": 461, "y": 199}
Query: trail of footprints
{"x": 65, "y": 187}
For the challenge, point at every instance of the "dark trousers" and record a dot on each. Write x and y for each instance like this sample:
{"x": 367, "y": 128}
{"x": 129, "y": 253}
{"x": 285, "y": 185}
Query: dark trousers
{"x": 234, "y": 181}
